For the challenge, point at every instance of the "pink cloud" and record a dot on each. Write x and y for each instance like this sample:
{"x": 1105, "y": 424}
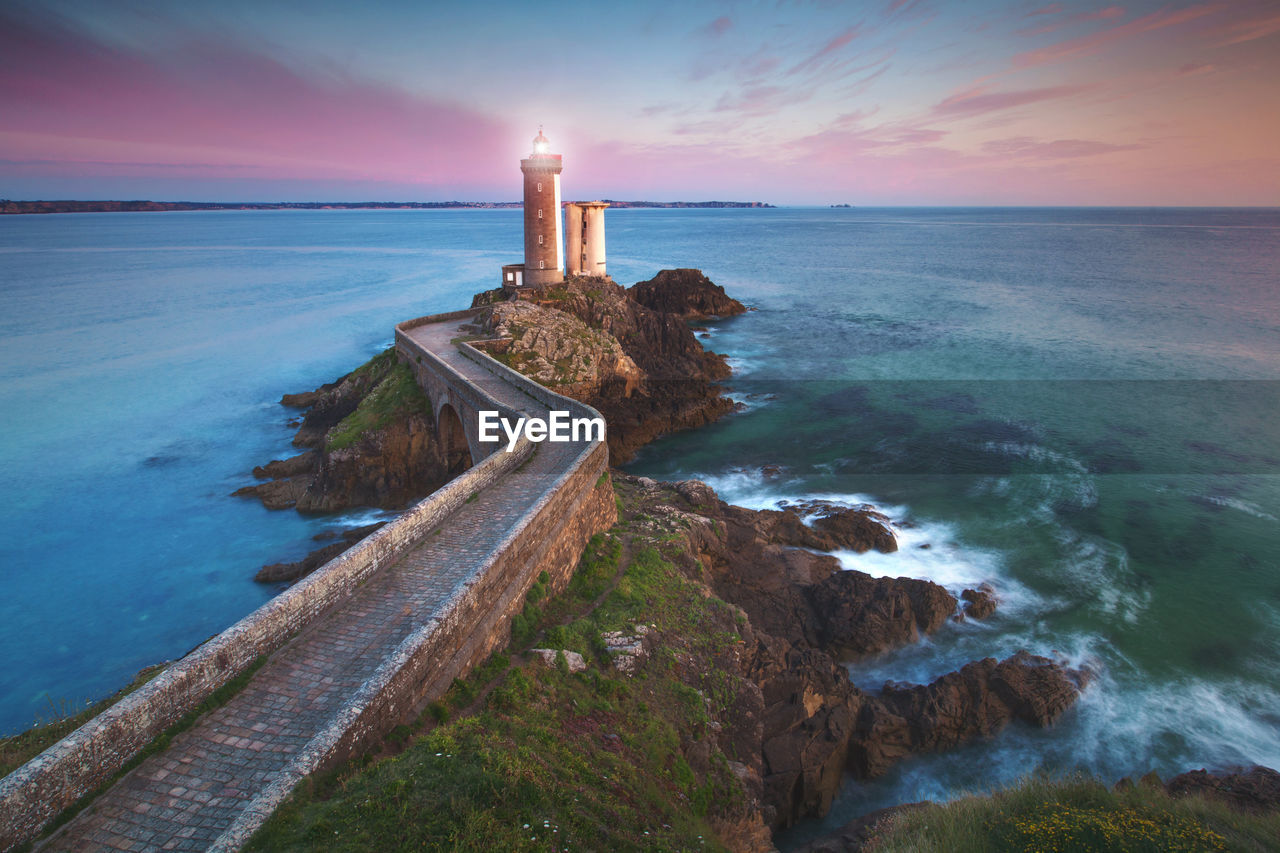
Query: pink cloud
{"x": 979, "y": 101}
{"x": 760, "y": 100}
{"x": 216, "y": 106}
{"x": 1238, "y": 32}
{"x": 831, "y": 47}
{"x": 1089, "y": 44}
{"x": 719, "y": 26}
{"x": 1192, "y": 68}
{"x": 1058, "y": 149}
{"x": 902, "y": 7}
{"x": 1103, "y": 14}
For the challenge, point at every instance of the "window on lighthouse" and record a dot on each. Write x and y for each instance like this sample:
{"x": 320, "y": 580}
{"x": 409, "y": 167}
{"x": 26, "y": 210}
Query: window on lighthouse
{"x": 539, "y": 213}
{"x": 539, "y": 186}
{"x": 539, "y": 239}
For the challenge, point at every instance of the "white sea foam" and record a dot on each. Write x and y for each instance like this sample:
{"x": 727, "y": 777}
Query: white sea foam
{"x": 749, "y": 402}
{"x": 365, "y": 516}
{"x": 945, "y": 561}
{"x": 1100, "y": 567}
{"x": 1247, "y": 507}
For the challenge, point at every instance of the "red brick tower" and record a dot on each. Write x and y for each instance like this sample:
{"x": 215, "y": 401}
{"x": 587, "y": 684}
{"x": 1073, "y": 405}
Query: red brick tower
{"x": 543, "y": 232}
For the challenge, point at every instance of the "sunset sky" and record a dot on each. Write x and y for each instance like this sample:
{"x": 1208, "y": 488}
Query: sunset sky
{"x": 899, "y": 102}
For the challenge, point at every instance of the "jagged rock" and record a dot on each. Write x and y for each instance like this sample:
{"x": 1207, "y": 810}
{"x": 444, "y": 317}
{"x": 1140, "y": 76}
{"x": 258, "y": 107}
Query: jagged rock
{"x": 288, "y": 572}
{"x": 276, "y": 469}
{"x": 980, "y": 603}
{"x": 276, "y": 494}
{"x": 626, "y": 651}
{"x": 978, "y": 700}
{"x": 559, "y": 350}
{"x": 810, "y": 709}
{"x": 697, "y": 493}
{"x": 686, "y": 293}
{"x": 574, "y": 660}
{"x": 1151, "y": 780}
{"x": 666, "y": 382}
{"x": 333, "y": 401}
{"x": 388, "y": 466}
{"x": 1255, "y": 790}
{"x": 861, "y": 615}
{"x": 808, "y": 724}
{"x": 859, "y": 530}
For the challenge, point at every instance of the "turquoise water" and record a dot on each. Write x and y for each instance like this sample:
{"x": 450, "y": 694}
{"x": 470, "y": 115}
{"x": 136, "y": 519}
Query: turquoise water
{"x": 1077, "y": 405}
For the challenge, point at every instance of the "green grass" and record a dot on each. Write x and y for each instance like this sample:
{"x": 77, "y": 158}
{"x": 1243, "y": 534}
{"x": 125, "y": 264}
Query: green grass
{"x": 1078, "y": 816}
{"x": 519, "y": 756}
{"x": 396, "y": 395}
{"x": 22, "y": 747}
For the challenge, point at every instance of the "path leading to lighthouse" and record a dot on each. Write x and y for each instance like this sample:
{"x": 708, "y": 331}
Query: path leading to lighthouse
{"x": 198, "y": 793}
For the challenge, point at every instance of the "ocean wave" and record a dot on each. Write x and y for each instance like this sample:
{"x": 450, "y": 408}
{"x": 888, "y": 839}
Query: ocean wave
{"x": 1099, "y": 569}
{"x": 1036, "y": 453}
{"x": 748, "y": 402}
{"x": 1190, "y": 722}
{"x": 361, "y": 517}
{"x": 927, "y": 549}
{"x": 1123, "y": 725}
{"x": 1247, "y": 507}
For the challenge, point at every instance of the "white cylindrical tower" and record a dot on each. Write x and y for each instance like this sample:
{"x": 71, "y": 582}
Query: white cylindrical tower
{"x": 585, "y": 246}
{"x": 573, "y": 238}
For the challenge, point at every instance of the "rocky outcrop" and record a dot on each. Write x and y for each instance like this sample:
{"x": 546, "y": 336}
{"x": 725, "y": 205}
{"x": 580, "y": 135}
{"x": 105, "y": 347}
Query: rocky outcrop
{"x": 977, "y": 701}
{"x": 805, "y": 597}
{"x": 290, "y": 572}
{"x": 803, "y": 616}
{"x": 980, "y": 603}
{"x": 861, "y": 615}
{"x": 560, "y": 351}
{"x": 686, "y": 293}
{"x": 371, "y": 442}
{"x": 643, "y": 369}
{"x": 1255, "y": 790}
{"x": 834, "y": 528}
{"x": 810, "y": 710}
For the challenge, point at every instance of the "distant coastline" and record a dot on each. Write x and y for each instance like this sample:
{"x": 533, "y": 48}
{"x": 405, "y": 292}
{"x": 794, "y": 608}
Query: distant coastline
{"x": 69, "y": 206}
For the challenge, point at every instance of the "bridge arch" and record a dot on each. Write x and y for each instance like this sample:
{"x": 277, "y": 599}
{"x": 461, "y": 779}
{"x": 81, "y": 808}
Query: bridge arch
{"x": 454, "y": 443}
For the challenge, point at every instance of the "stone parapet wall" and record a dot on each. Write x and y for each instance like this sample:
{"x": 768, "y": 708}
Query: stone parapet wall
{"x": 475, "y": 622}
{"x": 92, "y": 754}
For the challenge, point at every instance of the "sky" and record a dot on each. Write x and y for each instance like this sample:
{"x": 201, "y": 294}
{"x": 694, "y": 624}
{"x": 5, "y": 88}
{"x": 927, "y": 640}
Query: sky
{"x": 894, "y": 102}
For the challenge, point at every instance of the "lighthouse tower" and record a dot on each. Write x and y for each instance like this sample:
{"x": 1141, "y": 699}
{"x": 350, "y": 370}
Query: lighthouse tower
{"x": 543, "y": 232}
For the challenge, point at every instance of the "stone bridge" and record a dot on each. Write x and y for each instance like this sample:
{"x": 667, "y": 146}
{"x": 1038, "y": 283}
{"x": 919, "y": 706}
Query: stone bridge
{"x": 351, "y": 650}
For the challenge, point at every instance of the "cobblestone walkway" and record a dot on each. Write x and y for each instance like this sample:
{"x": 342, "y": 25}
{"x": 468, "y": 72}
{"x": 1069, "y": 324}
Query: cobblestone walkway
{"x": 187, "y": 796}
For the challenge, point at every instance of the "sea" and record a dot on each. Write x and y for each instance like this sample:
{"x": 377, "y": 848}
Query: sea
{"x": 1078, "y": 406}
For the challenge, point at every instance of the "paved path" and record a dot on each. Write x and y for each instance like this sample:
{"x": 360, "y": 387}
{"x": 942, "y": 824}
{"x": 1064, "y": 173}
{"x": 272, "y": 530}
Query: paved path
{"x": 187, "y": 796}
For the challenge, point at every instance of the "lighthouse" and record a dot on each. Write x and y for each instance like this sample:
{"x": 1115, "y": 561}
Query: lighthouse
{"x": 543, "y": 232}
{"x": 545, "y": 257}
